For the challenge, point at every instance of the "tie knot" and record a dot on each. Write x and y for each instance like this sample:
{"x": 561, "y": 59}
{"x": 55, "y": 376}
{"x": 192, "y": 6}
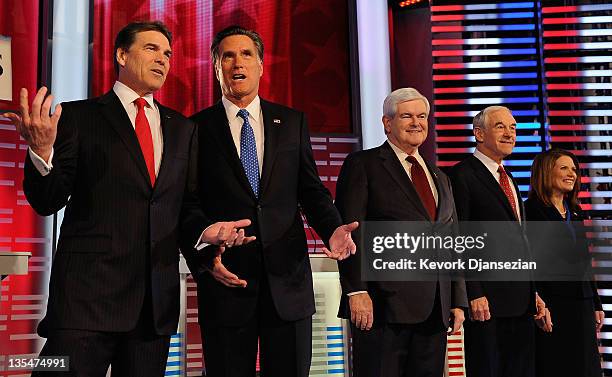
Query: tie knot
{"x": 412, "y": 160}
{"x": 244, "y": 114}
{"x": 140, "y": 103}
{"x": 501, "y": 170}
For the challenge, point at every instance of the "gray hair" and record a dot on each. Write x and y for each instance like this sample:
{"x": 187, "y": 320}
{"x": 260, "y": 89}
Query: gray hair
{"x": 402, "y": 95}
{"x": 480, "y": 120}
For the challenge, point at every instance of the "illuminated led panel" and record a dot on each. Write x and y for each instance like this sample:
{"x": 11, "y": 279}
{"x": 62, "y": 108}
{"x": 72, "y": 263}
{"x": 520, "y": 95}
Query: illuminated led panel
{"x": 577, "y": 52}
{"x": 486, "y": 54}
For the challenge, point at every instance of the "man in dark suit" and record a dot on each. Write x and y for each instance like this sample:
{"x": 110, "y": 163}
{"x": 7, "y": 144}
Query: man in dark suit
{"x": 399, "y": 328}
{"x": 256, "y": 162}
{"x": 120, "y": 164}
{"x": 499, "y": 338}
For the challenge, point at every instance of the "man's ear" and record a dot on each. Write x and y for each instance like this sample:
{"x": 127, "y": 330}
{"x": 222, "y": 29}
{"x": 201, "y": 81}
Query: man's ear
{"x": 120, "y": 56}
{"x": 478, "y": 134}
{"x": 385, "y": 122}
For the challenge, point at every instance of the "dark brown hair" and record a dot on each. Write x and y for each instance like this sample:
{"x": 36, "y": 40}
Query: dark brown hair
{"x": 126, "y": 36}
{"x": 541, "y": 178}
{"x": 235, "y": 30}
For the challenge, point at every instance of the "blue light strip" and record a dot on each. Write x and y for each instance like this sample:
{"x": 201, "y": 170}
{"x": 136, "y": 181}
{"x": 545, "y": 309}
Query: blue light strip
{"x": 498, "y": 6}
{"x": 501, "y": 88}
{"x": 523, "y": 63}
{"x": 497, "y": 16}
{"x": 518, "y": 163}
{"x": 487, "y": 101}
{"x": 528, "y": 126}
{"x": 499, "y": 27}
{"x": 504, "y": 51}
{"x": 500, "y": 76}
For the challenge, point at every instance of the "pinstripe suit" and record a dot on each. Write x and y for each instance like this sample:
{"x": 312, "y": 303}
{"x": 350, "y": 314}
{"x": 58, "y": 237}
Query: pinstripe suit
{"x": 116, "y": 266}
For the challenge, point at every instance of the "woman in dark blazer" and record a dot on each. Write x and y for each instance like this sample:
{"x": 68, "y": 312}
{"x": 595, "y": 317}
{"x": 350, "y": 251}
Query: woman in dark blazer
{"x": 556, "y": 234}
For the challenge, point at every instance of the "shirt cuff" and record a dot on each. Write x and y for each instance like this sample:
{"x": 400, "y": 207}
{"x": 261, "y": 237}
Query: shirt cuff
{"x": 201, "y": 244}
{"x": 43, "y": 167}
{"x": 356, "y": 293}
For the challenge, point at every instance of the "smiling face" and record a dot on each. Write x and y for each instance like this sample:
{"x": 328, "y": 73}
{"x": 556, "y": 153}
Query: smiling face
{"x": 145, "y": 64}
{"x": 563, "y": 175}
{"x": 408, "y": 128}
{"x": 239, "y": 69}
{"x": 496, "y": 140}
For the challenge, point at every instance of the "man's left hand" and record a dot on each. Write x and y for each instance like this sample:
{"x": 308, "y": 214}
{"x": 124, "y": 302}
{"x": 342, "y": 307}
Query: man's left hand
{"x": 227, "y": 234}
{"x": 341, "y": 243}
{"x": 457, "y": 317}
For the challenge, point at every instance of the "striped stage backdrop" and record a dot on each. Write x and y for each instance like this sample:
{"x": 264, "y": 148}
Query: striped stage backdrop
{"x": 550, "y": 62}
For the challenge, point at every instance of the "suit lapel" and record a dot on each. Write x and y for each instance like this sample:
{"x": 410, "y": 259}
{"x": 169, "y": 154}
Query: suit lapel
{"x": 271, "y": 135}
{"x": 397, "y": 172}
{"x": 170, "y": 144}
{"x": 220, "y": 130}
{"x": 114, "y": 112}
{"x": 439, "y": 188}
{"x": 485, "y": 176}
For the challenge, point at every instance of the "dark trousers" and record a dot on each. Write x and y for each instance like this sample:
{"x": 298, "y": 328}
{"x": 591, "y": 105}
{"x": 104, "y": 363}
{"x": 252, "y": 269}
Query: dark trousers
{"x": 285, "y": 346}
{"x": 500, "y": 347}
{"x": 136, "y": 353}
{"x": 571, "y": 348}
{"x": 401, "y": 350}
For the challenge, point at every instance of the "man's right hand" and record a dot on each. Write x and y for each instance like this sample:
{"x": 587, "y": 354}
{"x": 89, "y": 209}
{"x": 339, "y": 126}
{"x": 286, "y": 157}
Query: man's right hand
{"x": 362, "y": 311}
{"x": 224, "y": 276}
{"x": 37, "y": 128}
{"x": 479, "y": 309}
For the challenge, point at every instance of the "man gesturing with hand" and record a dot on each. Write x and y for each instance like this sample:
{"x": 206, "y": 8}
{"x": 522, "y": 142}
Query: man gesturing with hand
{"x": 122, "y": 166}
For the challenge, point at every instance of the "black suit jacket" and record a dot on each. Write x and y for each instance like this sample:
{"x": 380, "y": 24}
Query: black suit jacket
{"x": 289, "y": 183}
{"x": 565, "y": 245}
{"x": 479, "y": 197}
{"x": 119, "y": 237}
{"x": 373, "y": 186}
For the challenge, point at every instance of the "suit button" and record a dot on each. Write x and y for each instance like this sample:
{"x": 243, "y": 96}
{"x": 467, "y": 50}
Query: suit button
{"x": 258, "y": 207}
{"x": 153, "y": 202}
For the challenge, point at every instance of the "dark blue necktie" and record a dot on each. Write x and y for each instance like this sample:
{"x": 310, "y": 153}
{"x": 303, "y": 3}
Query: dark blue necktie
{"x": 248, "y": 152}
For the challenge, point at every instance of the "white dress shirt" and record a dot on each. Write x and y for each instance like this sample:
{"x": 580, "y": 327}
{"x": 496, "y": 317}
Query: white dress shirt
{"x": 256, "y": 121}
{"x": 492, "y": 166}
{"x": 127, "y": 97}
{"x": 401, "y": 156}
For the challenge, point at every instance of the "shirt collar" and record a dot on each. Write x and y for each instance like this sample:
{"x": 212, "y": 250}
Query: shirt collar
{"x": 231, "y": 110}
{"x": 490, "y": 164}
{"x": 401, "y": 155}
{"x": 127, "y": 96}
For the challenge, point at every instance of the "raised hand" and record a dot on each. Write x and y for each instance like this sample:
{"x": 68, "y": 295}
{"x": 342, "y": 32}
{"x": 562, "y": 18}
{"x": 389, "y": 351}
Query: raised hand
{"x": 341, "y": 243}
{"x": 38, "y": 128}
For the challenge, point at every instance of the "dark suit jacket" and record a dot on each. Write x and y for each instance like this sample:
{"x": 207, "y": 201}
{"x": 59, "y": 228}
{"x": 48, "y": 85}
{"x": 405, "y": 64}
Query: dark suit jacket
{"x": 119, "y": 235}
{"x": 373, "y": 186}
{"x": 479, "y": 197}
{"x": 289, "y": 182}
{"x": 562, "y": 246}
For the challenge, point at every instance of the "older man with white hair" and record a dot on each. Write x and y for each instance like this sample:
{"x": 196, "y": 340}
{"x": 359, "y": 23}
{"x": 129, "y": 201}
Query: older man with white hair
{"x": 399, "y": 327}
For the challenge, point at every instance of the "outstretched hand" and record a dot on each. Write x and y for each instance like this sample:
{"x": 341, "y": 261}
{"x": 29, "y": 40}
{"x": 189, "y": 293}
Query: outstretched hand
{"x": 341, "y": 243}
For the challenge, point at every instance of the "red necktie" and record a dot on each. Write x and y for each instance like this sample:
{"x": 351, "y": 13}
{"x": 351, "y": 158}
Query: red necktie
{"x": 143, "y": 133}
{"x": 504, "y": 182}
{"x": 421, "y": 184}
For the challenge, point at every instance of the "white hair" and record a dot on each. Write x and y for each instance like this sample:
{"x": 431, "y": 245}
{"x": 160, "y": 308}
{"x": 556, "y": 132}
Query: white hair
{"x": 402, "y": 95}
